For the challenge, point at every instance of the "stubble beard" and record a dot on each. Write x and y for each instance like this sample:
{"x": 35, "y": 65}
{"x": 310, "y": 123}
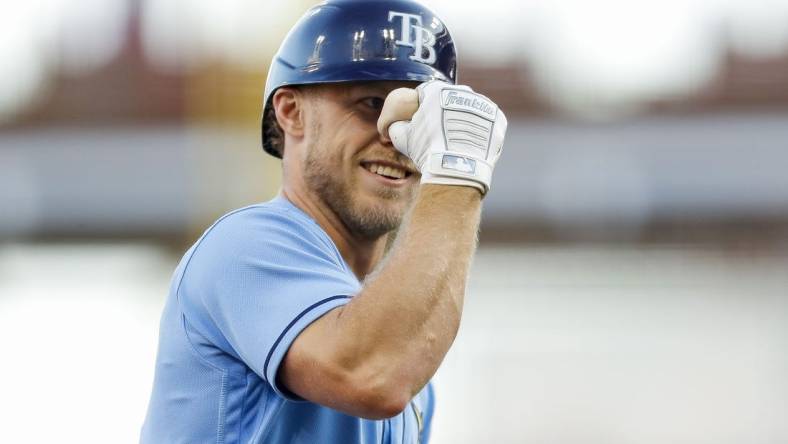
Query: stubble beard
{"x": 366, "y": 221}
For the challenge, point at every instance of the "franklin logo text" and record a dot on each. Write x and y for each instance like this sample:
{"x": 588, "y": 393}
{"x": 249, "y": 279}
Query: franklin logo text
{"x": 468, "y": 102}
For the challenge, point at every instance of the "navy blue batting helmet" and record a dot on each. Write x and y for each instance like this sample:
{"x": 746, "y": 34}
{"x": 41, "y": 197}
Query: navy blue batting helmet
{"x": 360, "y": 40}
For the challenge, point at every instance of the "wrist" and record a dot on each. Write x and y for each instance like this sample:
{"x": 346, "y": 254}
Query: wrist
{"x": 457, "y": 191}
{"x": 427, "y": 178}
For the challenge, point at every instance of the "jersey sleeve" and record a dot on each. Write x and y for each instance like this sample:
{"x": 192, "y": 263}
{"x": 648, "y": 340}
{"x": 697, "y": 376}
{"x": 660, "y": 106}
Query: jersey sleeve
{"x": 256, "y": 280}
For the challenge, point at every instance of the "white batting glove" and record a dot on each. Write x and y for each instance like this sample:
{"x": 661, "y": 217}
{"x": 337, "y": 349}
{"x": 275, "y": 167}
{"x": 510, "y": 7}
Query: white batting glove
{"x": 455, "y": 136}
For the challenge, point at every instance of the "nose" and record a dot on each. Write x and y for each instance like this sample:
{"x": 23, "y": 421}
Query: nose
{"x": 385, "y": 140}
{"x": 383, "y": 135}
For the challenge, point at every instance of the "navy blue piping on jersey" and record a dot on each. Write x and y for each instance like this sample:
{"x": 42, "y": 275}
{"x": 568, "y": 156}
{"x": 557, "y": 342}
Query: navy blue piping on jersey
{"x": 290, "y": 325}
{"x": 403, "y": 425}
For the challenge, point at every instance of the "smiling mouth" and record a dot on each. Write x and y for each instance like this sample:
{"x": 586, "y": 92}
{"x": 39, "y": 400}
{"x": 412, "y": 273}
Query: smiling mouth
{"x": 387, "y": 171}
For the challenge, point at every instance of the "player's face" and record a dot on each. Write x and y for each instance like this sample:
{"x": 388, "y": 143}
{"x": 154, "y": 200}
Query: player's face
{"x": 363, "y": 179}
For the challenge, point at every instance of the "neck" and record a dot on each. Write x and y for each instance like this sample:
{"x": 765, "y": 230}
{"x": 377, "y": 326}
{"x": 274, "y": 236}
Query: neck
{"x": 362, "y": 255}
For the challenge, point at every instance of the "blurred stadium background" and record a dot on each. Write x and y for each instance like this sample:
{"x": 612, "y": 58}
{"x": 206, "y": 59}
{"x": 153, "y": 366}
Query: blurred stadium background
{"x": 632, "y": 280}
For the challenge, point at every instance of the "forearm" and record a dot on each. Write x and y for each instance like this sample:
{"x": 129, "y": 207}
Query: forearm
{"x": 369, "y": 357}
{"x": 407, "y": 315}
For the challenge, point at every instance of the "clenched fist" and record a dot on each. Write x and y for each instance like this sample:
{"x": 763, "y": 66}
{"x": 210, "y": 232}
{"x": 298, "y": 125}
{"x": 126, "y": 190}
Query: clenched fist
{"x": 452, "y": 134}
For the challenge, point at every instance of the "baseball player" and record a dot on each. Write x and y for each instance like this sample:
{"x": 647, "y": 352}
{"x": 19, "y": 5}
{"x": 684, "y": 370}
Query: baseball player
{"x": 298, "y": 320}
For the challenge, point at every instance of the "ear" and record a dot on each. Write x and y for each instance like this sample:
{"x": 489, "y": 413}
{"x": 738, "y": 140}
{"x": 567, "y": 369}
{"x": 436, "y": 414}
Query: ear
{"x": 288, "y": 103}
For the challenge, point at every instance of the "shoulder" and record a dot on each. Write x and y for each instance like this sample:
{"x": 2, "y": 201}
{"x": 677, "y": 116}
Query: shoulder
{"x": 274, "y": 218}
{"x": 274, "y": 231}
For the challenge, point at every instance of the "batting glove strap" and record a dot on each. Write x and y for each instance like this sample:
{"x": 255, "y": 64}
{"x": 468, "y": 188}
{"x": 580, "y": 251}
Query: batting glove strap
{"x": 454, "y": 168}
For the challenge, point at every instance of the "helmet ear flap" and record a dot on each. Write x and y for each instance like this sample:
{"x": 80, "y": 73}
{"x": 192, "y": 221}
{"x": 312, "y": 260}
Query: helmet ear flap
{"x": 358, "y": 40}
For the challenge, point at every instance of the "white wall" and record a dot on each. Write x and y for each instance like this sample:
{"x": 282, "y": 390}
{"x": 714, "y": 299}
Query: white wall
{"x": 558, "y": 345}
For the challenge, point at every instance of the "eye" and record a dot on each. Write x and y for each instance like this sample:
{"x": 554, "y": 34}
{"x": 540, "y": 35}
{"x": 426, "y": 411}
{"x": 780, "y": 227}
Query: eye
{"x": 374, "y": 103}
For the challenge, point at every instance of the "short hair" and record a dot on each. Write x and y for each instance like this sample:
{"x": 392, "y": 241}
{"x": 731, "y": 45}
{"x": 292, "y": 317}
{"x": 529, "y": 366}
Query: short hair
{"x": 273, "y": 133}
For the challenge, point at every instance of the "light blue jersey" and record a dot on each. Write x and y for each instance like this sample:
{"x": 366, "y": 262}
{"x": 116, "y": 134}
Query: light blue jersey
{"x": 238, "y": 299}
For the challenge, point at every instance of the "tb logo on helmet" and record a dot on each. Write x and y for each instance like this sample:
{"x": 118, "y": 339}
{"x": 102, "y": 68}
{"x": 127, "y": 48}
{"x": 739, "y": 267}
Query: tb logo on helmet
{"x": 356, "y": 41}
{"x": 424, "y": 37}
